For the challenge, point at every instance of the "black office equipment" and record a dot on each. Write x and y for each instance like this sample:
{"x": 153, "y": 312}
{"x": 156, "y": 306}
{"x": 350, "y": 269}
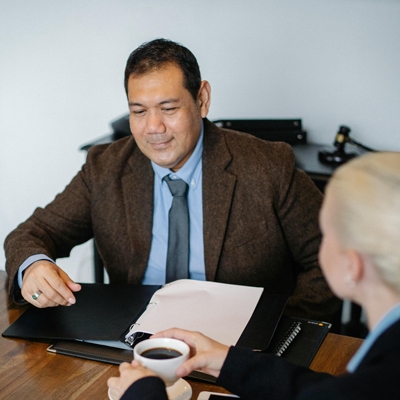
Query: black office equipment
{"x": 121, "y": 127}
{"x": 338, "y": 154}
{"x": 283, "y": 130}
{"x": 298, "y": 339}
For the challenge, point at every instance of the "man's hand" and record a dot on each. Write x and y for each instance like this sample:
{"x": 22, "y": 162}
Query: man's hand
{"x": 206, "y": 354}
{"x": 129, "y": 373}
{"x": 52, "y": 284}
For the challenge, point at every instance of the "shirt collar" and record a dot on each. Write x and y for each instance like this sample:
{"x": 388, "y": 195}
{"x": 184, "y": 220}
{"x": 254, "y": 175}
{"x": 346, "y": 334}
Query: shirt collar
{"x": 384, "y": 323}
{"x": 190, "y": 171}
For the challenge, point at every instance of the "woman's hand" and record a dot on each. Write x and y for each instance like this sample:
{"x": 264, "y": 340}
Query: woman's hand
{"x": 206, "y": 354}
{"x": 129, "y": 373}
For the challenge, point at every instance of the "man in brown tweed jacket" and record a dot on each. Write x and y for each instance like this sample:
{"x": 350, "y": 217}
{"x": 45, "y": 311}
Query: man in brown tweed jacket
{"x": 259, "y": 212}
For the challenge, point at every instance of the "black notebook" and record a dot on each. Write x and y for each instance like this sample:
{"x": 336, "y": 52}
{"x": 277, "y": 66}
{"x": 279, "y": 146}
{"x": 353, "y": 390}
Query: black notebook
{"x": 298, "y": 339}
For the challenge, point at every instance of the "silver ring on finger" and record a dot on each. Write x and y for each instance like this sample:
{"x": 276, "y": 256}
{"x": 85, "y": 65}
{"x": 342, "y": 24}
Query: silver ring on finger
{"x": 36, "y": 295}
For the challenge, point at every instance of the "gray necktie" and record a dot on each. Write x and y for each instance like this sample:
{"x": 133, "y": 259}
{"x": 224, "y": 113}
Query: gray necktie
{"x": 178, "y": 232}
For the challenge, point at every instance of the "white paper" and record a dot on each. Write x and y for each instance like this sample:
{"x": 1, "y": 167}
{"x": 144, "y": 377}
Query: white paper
{"x": 218, "y": 310}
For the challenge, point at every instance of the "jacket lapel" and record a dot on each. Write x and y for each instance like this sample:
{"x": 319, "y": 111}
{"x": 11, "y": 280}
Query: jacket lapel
{"x": 137, "y": 184}
{"x": 218, "y": 188}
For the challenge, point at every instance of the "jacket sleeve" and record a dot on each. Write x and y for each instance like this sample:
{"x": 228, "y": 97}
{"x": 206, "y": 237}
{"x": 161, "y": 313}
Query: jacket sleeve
{"x": 259, "y": 376}
{"x": 264, "y": 376}
{"x": 149, "y": 388}
{"x": 53, "y": 230}
{"x": 298, "y": 207}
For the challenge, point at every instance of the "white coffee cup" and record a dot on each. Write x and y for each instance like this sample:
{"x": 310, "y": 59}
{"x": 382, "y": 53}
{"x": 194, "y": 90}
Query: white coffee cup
{"x": 165, "y": 368}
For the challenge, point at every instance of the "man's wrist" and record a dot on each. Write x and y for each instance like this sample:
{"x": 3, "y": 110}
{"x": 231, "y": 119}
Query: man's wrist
{"x": 27, "y": 263}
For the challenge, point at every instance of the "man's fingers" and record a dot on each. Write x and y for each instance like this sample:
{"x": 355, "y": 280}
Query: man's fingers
{"x": 48, "y": 296}
{"x": 55, "y": 290}
{"x": 74, "y": 287}
{"x": 42, "y": 301}
{"x": 49, "y": 279}
{"x": 53, "y": 287}
{"x": 68, "y": 287}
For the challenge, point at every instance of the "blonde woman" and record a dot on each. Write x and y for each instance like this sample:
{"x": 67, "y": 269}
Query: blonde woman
{"x": 360, "y": 258}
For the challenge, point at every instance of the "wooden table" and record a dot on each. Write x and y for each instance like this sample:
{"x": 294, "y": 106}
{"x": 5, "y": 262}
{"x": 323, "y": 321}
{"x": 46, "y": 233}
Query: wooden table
{"x": 28, "y": 371}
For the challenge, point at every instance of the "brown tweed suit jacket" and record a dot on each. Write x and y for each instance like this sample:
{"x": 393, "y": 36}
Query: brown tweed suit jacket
{"x": 260, "y": 218}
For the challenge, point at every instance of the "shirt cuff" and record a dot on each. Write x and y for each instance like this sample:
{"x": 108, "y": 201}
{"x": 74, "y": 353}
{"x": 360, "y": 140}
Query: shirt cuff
{"x": 28, "y": 262}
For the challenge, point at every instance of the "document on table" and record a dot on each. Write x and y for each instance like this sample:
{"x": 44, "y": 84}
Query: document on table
{"x": 218, "y": 310}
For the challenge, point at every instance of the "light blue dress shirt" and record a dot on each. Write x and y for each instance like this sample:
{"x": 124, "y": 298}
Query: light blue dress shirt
{"x": 385, "y": 322}
{"x": 191, "y": 173}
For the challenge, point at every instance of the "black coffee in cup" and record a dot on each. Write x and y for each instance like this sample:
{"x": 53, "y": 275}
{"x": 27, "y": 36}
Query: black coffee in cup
{"x": 161, "y": 353}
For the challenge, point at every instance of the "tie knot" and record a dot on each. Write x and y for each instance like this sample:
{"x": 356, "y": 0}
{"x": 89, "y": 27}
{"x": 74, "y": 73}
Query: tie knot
{"x": 177, "y": 187}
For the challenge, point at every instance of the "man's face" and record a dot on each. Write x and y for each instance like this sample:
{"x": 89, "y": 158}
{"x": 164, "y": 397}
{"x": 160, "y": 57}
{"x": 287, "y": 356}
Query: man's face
{"x": 165, "y": 120}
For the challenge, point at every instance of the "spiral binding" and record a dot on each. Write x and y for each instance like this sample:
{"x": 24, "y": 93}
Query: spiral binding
{"x": 287, "y": 339}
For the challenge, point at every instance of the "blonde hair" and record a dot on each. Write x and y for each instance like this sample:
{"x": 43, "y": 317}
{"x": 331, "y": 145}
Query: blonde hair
{"x": 367, "y": 203}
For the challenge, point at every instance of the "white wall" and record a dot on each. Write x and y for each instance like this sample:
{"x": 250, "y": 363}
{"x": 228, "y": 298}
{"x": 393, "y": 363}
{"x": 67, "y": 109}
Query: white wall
{"x": 329, "y": 62}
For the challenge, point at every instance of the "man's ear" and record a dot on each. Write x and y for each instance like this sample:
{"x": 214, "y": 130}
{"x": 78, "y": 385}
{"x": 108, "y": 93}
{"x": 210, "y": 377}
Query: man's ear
{"x": 204, "y": 98}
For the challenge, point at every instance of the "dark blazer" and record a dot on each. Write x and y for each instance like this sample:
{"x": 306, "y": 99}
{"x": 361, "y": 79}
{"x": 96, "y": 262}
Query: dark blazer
{"x": 260, "y": 376}
{"x": 256, "y": 376}
{"x": 260, "y": 218}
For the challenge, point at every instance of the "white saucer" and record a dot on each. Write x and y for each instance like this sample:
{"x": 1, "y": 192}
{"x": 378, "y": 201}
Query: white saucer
{"x": 180, "y": 390}
{"x": 112, "y": 394}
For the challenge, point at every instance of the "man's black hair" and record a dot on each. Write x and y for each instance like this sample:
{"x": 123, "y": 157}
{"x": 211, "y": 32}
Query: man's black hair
{"x": 153, "y": 55}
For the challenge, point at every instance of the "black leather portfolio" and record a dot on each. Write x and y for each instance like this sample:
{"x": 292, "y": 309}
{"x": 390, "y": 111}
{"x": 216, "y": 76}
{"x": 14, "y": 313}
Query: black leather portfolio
{"x": 101, "y": 312}
{"x": 106, "y": 312}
